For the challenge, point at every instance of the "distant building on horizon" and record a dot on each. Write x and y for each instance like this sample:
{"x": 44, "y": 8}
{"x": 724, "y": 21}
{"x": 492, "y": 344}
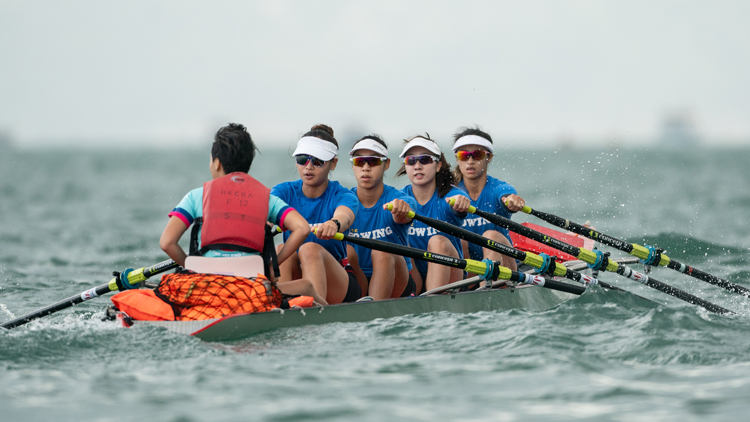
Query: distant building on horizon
{"x": 678, "y": 130}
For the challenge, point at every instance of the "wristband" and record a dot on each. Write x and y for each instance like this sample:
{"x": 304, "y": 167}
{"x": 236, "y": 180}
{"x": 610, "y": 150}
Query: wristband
{"x": 338, "y": 225}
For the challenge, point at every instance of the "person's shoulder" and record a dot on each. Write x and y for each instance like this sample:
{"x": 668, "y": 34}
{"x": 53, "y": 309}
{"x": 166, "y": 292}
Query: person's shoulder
{"x": 337, "y": 188}
{"x": 289, "y": 184}
{"x": 195, "y": 195}
{"x": 456, "y": 191}
{"x": 284, "y": 187}
{"x": 500, "y": 185}
{"x": 390, "y": 193}
{"x": 196, "y": 191}
{"x": 407, "y": 190}
{"x": 336, "y": 185}
{"x": 274, "y": 200}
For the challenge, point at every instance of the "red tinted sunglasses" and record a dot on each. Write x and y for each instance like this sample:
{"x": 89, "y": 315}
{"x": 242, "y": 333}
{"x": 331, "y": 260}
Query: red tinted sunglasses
{"x": 476, "y": 155}
{"x": 372, "y": 161}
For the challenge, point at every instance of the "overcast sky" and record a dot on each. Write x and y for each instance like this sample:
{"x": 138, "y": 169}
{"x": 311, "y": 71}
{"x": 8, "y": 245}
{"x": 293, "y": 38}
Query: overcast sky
{"x": 171, "y": 72}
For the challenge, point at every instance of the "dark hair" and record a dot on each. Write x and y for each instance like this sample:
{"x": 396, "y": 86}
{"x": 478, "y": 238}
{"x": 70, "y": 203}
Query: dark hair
{"x": 234, "y": 148}
{"x": 457, "y": 175}
{"x": 444, "y": 178}
{"x": 323, "y": 132}
{"x": 374, "y": 137}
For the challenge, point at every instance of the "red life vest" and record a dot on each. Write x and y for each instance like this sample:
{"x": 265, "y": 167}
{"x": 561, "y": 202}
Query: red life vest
{"x": 235, "y": 212}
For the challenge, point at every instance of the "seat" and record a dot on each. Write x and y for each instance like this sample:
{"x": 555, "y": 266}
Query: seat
{"x": 241, "y": 266}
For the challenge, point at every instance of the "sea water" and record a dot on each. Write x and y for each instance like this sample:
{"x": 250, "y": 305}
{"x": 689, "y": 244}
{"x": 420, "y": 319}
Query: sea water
{"x": 70, "y": 218}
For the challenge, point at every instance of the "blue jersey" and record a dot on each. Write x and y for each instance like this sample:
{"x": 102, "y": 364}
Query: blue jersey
{"x": 377, "y": 223}
{"x": 318, "y": 210}
{"x": 490, "y": 200}
{"x": 437, "y": 208}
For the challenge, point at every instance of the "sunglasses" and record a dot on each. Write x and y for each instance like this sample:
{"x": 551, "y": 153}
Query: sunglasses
{"x": 302, "y": 160}
{"x": 371, "y": 161}
{"x": 476, "y": 155}
{"x": 422, "y": 159}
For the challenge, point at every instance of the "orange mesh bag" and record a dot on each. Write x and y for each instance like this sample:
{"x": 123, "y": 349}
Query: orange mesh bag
{"x": 206, "y": 296}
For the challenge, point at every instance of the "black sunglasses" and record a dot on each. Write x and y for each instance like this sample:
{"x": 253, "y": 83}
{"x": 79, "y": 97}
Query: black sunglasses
{"x": 422, "y": 159}
{"x": 302, "y": 160}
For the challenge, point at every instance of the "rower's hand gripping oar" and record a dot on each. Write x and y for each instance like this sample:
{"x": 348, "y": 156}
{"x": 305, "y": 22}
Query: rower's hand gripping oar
{"x": 125, "y": 280}
{"x": 545, "y": 264}
{"x": 648, "y": 254}
{"x": 485, "y": 269}
{"x": 599, "y": 261}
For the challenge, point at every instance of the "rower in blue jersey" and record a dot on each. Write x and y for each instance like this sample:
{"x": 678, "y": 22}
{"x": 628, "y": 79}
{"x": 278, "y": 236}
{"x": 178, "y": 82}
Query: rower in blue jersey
{"x": 474, "y": 152}
{"x": 432, "y": 188}
{"x": 384, "y": 275}
{"x": 330, "y": 208}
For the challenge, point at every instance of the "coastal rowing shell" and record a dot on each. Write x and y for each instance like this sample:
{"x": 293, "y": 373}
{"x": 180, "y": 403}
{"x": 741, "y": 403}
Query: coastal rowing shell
{"x": 234, "y": 327}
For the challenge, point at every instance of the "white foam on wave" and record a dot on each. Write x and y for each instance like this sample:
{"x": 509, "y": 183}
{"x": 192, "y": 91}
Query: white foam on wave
{"x": 7, "y": 311}
{"x": 88, "y": 321}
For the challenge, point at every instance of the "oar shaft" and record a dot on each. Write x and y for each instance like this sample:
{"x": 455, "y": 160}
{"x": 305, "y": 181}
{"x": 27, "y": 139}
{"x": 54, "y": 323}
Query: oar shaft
{"x": 529, "y": 258}
{"x": 580, "y": 229}
{"x": 63, "y": 304}
{"x": 469, "y": 265}
{"x": 470, "y": 236}
{"x": 581, "y": 253}
{"x": 708, "y": 278}
{"x": 638, "y": 251}
{"x": 135, "y": 277}
{"x": 590, "y": 257}
{"x": 672, "y": 291}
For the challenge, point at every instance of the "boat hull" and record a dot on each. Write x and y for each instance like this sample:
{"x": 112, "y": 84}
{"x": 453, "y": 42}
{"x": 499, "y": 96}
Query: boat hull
{"x": 239, "y": 326}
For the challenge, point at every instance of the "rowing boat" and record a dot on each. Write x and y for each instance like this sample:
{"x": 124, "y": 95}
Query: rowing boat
{"x": 234, "y": 327}
{"x": 503, "y": 296}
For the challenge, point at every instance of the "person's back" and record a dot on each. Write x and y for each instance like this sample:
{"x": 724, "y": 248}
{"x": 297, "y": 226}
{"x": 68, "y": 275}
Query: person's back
{"x": 233, "y": 193}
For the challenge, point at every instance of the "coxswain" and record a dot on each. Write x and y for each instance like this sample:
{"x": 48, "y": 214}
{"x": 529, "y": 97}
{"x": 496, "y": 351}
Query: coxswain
{"x": 233, "y": 192}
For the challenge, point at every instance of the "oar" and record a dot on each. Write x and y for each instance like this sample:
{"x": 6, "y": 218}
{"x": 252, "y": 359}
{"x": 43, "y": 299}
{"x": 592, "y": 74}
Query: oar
{"x": 132, "y": 277}
{"x": 487, "y": 270}
{"x": 544, "y": 264}
{"x": 599, "y": 261}
{"x": 648, "y": 254}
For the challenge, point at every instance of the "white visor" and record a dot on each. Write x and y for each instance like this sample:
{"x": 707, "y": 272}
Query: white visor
{"x": 370, "y": 144}
{"x": 421, "y": 142}
{"x": 473, "y": 140}
{"x": 318, "y": 148}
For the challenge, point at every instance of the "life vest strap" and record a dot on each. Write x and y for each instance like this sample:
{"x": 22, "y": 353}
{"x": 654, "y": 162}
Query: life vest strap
{"x": 268, "y": 253}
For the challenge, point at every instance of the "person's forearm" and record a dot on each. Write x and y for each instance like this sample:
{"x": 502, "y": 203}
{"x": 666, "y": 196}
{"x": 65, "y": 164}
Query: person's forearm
{"x": 344, "y": 219}
{"x": 174, "y": 251}
{"x": 293, "y": 243}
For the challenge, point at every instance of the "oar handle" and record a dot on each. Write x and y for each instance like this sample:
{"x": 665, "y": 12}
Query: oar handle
{"x": 410, "y": 214}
